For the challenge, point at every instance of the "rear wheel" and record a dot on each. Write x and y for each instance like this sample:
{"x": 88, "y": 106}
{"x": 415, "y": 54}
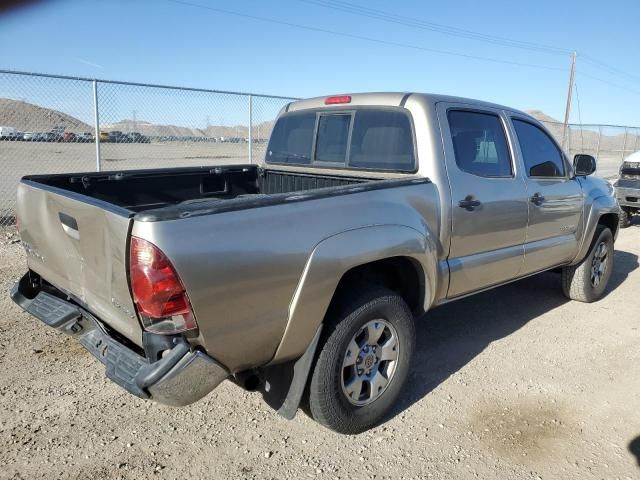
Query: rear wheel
{"x": 587, "y": 281}
{"x": 363, "y": 363}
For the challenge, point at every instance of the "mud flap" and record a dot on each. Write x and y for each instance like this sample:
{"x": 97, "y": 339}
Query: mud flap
{"x": 284, "y": 384}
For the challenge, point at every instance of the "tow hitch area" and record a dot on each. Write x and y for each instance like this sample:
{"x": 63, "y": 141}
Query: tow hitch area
{"x": 180, "y": 377}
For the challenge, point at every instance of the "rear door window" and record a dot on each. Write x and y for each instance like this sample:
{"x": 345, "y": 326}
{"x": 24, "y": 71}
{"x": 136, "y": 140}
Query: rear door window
{"x": 363, "y": 138}
{"x": 479, "y": 143}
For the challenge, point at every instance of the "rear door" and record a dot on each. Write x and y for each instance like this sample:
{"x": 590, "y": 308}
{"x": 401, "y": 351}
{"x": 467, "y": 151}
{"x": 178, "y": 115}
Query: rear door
{"x": 81, "y": 249}
{"x": 489, "y": 201}
{"x": 555, "y": 199}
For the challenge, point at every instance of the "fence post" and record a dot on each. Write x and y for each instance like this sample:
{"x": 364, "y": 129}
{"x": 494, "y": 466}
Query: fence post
{"x": 250, "y": 130}
{"x": 96, "y": 119}
{"x": 624, "y": 145}
{"x": 599, "y": 138}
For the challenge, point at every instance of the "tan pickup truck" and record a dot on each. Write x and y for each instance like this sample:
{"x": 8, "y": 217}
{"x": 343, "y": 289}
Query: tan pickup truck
{"x": 302, "y": 277}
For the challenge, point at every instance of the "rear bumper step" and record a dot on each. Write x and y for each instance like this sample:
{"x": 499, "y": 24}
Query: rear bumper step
{"x": 182, "y": 376}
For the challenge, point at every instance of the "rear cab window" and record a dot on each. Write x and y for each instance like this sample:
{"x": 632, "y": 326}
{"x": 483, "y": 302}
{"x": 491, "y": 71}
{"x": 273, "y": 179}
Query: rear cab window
{"x": 361, "y": 138}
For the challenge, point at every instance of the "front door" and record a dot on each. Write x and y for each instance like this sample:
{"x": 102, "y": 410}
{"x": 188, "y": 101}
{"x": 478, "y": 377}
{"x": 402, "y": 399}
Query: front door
{"x": 489, "y": 201}
{"x": 555, "y": 199}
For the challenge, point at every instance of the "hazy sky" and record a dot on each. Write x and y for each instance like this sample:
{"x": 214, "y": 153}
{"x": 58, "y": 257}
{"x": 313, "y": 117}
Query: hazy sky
{"x": 262, "y": 48}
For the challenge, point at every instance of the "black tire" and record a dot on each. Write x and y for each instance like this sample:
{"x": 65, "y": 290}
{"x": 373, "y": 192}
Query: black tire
{"x": 624, "y": 220}
{"x": 577, "y": 283}
{"x": 325, "y": 401}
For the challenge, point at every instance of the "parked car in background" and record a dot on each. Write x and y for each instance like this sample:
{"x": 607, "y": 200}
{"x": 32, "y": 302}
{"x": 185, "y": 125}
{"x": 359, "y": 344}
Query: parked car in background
{"x": 29, "y": 136}
{"x": 233, "y": 140}
{"x": 303, "y": 277}
{"x": 104, "y": 136}
{"x": 628, "y": 189}
{"x": 136, "y": 137}
{"x": 69, "y": 137}
{"x": 54, "y": 136}
{"x": 116, "y": 136}
{"x": 18, "y": 136}
{"x": 7, "y": 133}
{"x": 85, "y": 137}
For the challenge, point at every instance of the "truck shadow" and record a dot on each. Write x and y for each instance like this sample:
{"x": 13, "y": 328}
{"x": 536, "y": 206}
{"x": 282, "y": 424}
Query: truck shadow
{"x": 450, "y": 336}
{"x": 634, "y": 448}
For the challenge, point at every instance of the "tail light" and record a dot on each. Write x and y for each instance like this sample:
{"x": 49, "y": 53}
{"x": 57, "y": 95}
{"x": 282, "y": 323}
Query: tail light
{"x": 158, "y": 293}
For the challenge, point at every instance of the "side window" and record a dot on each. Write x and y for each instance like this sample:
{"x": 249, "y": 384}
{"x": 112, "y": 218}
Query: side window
{"x": 333, "y": 138}
{"x": 542, "y": 157}
{"x": 479, "y": 143}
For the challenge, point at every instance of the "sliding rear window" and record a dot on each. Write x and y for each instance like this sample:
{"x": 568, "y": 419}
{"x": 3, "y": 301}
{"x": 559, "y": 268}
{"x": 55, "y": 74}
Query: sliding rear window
{"x": 368, "y": 139}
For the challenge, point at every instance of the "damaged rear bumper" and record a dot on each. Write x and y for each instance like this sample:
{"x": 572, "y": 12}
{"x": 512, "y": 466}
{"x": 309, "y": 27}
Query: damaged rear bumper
{"x": 180, "y": 377}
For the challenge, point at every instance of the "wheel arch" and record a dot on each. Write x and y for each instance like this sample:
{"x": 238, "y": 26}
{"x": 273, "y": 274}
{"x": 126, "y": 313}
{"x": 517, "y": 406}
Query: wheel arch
{"x": 610, "y": 220}
{"x": 400, "y": 274}
{"x": 394, "y": 256}
{"x": 603, "y": 211}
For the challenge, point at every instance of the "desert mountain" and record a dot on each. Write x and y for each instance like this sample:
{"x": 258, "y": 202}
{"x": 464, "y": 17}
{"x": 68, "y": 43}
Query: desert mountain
{"x": 24, "y": 116}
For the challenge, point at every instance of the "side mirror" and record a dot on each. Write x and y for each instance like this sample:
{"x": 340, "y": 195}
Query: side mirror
{"x": 583, "y": 164}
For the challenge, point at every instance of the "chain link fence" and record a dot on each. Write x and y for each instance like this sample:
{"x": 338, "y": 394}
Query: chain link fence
{"x": 610, "y": 144}
{"x": 56, "y": 124}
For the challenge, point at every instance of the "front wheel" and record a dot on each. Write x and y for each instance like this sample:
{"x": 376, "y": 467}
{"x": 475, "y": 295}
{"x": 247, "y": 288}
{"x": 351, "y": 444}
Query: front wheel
{"x": 364, "y": 362}
{"x": 587, "y": 281}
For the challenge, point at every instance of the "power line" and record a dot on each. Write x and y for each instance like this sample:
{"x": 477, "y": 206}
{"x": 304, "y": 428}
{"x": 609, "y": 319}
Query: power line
{"x": 609, "y": 68}
{"x": 361, "y": 37}
{"x": 435, "y": 27}
{"x": 615, "y": 85}
{"x": 390, "y": 17}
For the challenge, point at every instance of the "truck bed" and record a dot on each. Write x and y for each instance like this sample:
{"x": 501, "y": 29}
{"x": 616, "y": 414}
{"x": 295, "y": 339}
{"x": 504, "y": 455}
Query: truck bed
{"x": 139, "y": 190}
{"x": 76, "y": 228}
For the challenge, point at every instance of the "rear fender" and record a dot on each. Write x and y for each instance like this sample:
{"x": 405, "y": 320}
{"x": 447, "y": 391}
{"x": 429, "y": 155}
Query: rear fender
{"x": 336, "y": 255}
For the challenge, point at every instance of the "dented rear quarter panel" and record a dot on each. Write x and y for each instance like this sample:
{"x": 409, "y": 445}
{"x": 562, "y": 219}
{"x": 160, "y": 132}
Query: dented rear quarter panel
{"x": 242, "y": 269}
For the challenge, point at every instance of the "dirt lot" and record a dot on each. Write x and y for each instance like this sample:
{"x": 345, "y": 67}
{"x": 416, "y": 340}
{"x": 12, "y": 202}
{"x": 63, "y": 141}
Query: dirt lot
{"x": 514, "y": 383}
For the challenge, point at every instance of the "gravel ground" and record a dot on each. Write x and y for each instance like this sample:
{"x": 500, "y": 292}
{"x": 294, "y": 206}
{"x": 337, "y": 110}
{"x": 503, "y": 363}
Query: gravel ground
{"x": 513, "y": 383}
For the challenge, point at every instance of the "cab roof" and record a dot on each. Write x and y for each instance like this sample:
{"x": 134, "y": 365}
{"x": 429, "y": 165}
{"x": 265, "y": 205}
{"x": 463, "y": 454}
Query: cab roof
{"x": 391, "y": 99}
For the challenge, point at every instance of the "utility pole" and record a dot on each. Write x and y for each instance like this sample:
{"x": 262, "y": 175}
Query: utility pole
{"x": 567, "y": 110}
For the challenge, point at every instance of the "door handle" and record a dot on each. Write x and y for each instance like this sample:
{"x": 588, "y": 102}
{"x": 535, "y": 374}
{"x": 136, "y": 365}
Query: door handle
{"x": 469, "y": 204}
{"x": 537, "y": 199}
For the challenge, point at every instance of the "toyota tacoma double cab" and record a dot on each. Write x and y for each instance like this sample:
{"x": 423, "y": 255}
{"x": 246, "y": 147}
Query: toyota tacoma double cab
{"x": 302, "y": 277}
